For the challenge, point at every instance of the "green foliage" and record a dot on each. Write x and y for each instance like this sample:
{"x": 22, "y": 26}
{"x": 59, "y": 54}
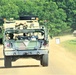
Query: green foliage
{"x": 70, "y": 45}
{"x": 9, "y": 9}
{"x": 69, "y": 6}
{"x": 58, "y": 16}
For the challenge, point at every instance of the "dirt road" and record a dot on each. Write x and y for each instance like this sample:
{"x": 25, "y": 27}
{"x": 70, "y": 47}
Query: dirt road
{"x": 60, "y": 62}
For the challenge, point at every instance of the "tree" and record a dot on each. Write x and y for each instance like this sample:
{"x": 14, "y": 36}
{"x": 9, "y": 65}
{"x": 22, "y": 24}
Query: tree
{"x": 60, "y": 15}
{"x": 69, "y": 6}
{"x": 8, "y": 9}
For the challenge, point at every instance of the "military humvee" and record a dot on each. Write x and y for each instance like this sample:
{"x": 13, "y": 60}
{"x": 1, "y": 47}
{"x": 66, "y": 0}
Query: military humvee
{"x": 24, "y": 38}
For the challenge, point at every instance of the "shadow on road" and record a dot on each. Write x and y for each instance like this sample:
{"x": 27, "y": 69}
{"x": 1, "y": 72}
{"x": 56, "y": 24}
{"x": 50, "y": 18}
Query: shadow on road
{"x": 20, "y": 66}
{"x": 25, "y": 66}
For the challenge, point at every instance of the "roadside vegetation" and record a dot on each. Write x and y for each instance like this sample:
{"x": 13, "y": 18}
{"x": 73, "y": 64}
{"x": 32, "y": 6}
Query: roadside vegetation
{"x": 70, "y": 45}
{"x": 59, "y": 16}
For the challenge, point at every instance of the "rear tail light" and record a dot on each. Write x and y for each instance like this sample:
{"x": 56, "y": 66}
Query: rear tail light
{"x": 7, "y": 45}
{"x": 45, "y": 43}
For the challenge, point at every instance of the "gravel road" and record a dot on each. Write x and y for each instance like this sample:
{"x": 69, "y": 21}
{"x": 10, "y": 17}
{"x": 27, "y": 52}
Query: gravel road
{"x": 61, "y": 62}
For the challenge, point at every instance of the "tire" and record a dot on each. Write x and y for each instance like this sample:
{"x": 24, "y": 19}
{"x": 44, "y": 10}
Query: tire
{"x": 7, "y": 62}
{"x": 44, "y": 60}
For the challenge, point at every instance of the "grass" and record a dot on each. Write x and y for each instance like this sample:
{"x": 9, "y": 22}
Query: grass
{"x": 70, "y": 45}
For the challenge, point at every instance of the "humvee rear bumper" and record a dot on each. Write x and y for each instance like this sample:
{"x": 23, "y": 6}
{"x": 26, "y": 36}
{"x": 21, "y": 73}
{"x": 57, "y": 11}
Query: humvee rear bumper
{"x": 25, "y": 52}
